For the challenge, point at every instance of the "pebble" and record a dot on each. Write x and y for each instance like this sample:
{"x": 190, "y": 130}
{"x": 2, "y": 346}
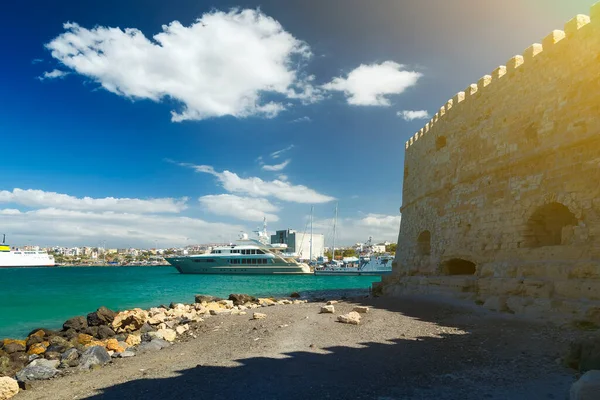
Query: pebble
{"x": 257, "y": 315}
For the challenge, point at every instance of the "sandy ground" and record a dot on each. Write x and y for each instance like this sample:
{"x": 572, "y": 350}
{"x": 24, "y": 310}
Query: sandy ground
{"x": 404, "y": 349}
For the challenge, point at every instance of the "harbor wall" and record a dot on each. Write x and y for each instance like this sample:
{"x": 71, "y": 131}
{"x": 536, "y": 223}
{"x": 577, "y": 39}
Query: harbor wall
{"x": 501, "y": 195}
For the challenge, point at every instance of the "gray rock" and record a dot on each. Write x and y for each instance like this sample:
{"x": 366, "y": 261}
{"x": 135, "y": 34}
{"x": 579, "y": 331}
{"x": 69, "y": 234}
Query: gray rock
{"x": 154, "y": 345}
{"x": 147, "y": 328}
{"x": 104, "y": 332}
{"x": 240, "y": 299}
{"x": 70, "y": 357}
{"x": 149, "y": 336}
{"x": 203, "y": 297}
{"x": 57, "y": 348}
{"x": 45, "y": 363}
{"x": 91, "y": 330}
{"x": 77, "y": 323}
{"x": 587, "y": 387}
{"x": 96, "y": 355}
{"x": 148, "y": 347}
{"x": 52, "y": 355}
{"x": 36, "y": 372}
{"x": 33, "y": 357}
{"x": 102, "y": 316}
{"x": 584, "y": 354}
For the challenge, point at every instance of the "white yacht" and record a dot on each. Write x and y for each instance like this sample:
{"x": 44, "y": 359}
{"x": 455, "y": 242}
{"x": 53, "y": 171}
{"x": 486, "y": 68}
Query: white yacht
{"x": 249, "y": 256}
{"x": 13, "y": 258}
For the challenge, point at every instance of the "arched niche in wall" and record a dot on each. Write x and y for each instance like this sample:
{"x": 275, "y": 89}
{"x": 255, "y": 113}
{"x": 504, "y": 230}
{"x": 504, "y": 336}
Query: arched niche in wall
{"x": 546, "y": 225}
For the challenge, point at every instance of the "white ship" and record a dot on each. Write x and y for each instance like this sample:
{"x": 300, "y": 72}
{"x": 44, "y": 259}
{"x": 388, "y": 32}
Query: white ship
{"x": 250, "y": 256}
{"x": 12, "y": 258}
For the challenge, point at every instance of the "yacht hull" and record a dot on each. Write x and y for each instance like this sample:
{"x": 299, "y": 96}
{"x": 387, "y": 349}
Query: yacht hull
{"x": 189, "y": 266}
{"x": 351, "y": 273}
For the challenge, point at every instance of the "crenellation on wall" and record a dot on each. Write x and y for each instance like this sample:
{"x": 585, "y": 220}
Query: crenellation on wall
{"x": 532, "y": 51}
{"x": 575, "y": 24}
{"x": 553, "y": 38}
{"x": 503, "y": 209}
{"x": 513, "y": 63}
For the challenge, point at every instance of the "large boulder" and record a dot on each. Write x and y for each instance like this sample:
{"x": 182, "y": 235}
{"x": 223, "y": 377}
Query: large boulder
{"x": 70, "y": 358}
{"x": 352, "y": 318}
{"x": 14, "y": 346}
{"x": 102, "y": 316}
{"x": 240, "y": 299}
{"x": 105, "y": 332}
{"x": 129, "y": 321}
{"x": 91, "y": 330}
{"x": 36, "y": 372}
{"x": 133, "y": 340}
{"x": 45, "y": 363}
{"x": 77, "y": 323}
{"x": 167, "y": 334}
{"x": 96, "y": 355}
{"x": 587, "y": 387}
{"x": 328, "y": 309}
{"x": 206, "y": 298}
{"x": 8, "y": 387}
{"x": 38, "y": 348}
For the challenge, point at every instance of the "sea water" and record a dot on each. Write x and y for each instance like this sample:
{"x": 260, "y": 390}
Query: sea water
{"x": 46, "y": 297}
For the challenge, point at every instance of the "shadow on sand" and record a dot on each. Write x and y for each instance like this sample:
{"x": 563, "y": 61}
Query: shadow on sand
{"x": 491, "y": 360}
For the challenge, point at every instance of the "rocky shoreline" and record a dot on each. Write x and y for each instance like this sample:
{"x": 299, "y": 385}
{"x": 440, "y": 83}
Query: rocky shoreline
{"x": 89, "y": 342}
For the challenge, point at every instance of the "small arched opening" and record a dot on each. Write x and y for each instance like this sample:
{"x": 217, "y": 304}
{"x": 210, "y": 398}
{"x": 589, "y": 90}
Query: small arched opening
{"x": 424, "y": 243}
{"x": 458, "y": 266}
{"x": 546, "y": 225}
{"x": 440, "y": 142}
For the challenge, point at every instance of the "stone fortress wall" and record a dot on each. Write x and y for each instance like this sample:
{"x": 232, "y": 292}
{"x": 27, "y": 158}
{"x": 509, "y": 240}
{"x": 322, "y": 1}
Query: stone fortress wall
{"x": 501, "y": 196}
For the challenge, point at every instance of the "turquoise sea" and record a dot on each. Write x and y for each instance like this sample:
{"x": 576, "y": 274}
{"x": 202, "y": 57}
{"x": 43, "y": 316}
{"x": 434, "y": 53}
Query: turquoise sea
{"x": 46, "y": 297}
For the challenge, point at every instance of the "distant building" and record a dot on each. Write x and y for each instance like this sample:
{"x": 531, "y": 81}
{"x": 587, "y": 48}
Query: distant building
{"x": 378, "y": 248}
{"x": 299, "y": 243}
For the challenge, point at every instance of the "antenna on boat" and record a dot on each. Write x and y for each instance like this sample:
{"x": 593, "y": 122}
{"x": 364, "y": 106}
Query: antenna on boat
{"x": 311, "y": 232}
{"x": 334, "y": 223}
{"x": 4, "y": 238}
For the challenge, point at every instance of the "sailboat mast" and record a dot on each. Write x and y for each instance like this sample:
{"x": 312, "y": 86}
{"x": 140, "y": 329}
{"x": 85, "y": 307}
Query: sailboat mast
{"x": 311, "y": 232}
{"x": 334, "y": 225}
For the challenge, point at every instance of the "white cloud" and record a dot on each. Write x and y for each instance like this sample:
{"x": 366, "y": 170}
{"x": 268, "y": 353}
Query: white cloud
{"x": 276, "y": 167}
{"x": 368, "y": 85}
{"x": 244, "y": 208}
{"x": 354, "y": 230}
{"x": 54, "y": 74}
{"x": 36, "y": 61}
{"x": 70, "y": 228}
{"x": 256, "y": 187}
{"x": 221, "y": 65}
{"x": 40, "y": 199}
{"x": 301, "y": 119}
{"x": 278, "y": 153}
{"x": 409, "y": 115}
{"x": 282, "y": 177}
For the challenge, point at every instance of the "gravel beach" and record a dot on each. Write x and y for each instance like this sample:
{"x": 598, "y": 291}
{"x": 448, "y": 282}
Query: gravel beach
{"x": 403, "y": 348}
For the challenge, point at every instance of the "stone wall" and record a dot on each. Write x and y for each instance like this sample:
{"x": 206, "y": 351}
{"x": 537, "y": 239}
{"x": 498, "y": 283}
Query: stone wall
{"x": 501, "y": 196}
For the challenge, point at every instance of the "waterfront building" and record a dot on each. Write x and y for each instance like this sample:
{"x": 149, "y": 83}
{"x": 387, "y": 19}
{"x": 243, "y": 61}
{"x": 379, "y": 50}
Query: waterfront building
{"x": 298, "y": 243}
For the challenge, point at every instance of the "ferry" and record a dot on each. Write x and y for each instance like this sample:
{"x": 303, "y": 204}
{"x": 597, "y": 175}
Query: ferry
{"x": 13, "y": 258}
{"x": 249, "y": 256}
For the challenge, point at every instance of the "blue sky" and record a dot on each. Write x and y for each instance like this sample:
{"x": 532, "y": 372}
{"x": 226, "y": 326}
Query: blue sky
{"x": 133, "y": 138}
